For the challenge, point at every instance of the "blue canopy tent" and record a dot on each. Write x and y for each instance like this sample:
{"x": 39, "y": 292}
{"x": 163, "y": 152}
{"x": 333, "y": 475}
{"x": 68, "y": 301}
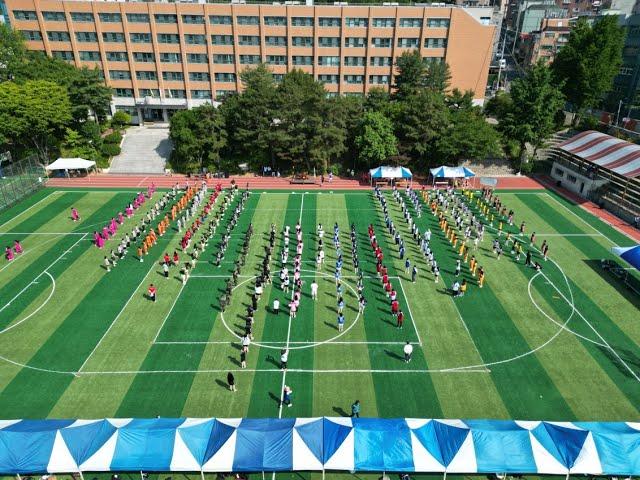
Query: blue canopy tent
{"x": 451, "y": 172}
{"x": 629, "y": 254}
{"x": 319, "y": 444}
{"x": 391, "y": 173}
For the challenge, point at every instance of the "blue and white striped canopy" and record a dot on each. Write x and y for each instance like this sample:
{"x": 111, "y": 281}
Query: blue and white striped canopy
{"x": 390, "y": 172}
{"x": 451, "y": 172}
{"x": 315, "y": 444}
{"x": 630, "y": 254}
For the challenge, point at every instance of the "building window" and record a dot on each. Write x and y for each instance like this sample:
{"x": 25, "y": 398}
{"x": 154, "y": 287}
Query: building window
{"x": 278, "y": 77}
{"x": 168, "y": 38}
{"x": 275, "y": 21}
{"x": 140, "y": 37}
{"x": 276, "y": 59}
{"x": 166, "y": 57}
{"x": 149, "y": 92}
{"x": 199, "y": 76}
{"x": 430, "y": 60}
{"x": 222, "y": 39}
{"x": 411, "y": 22}
{"x": 381, "y": 42}
{"x": 249, "y": 59}
{"x": 354, "y": 79}
{"x": 201, "y": 94}
{"x": 110, "y": 17}
{"x": 223, "y": 59}
{"x": 329, "y": 41}
{"x": 355, "y": 42}
{"x": 379, "y": 79}
{"x": 54, "y": 16}
{"x": 86, "y": 56}
{"x": 195, "y": 39}
{"x": 302, "y": 21}
{"x": 117, "y": 57}
{"x": 138, "y": 17}
{"x": 380, "y": 61}
{"x": 328, "y": 78}
{"x": 438, "y": 23}
{"x": 193, "y": 19}
{"x": 86, "y": 37}
{"x": 572, "y": 178}
{"x": 123, "y": 92}
{"x": 173, "y": 93}
{"x": 143, "y": 57}
{"x": 119, "y": 75}
{"x": 225, "y": 77}
{"x": 435, "y": 42}
{"x": 353, "y": 94}
{"x": 408, "y": 42}
{"x": 302, "y": 60}
{"x": 248, "y": 20}
{"x": 357, "y": 22}
{"x": 220, "y": 19}
{"x": 354, "y": 61}
{"x": 25, "y": 15}
{"x": 165, "y": 18}
{"x": 82, "y": 17}
{"x": 329, "y": 22}
{"x": 329, "y": 61}
{"x": 559, "y": 172}
{"x": 276, "y": 41}
{"x": 222, "y": 94}
{"x": 626, "y": 70}
{"x": 32, "y": 35}
{"x": 172, "y": 76}
{"x": 63, "y": 54}
{"x": 146, "y": 75}
{"x": 196, "y": 58}
{"x": 58, "y": 36}
{"x": 302, "y": 41}
{"x": 384, "y": 22}
{"x": 249, "y": 40}
{"x": 113, "y": 37}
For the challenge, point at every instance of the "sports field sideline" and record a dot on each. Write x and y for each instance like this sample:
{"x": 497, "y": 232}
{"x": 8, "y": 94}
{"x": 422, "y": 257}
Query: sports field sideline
{"x": 76, "y": 341}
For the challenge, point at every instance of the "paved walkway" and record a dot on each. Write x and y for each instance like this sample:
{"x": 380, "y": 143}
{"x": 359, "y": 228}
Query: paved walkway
{"x": 144, "y": 150}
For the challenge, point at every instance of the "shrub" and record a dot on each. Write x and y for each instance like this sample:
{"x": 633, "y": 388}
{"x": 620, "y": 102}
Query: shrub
{"x": 111, "y": 149}
{"x": 120, "y": 120}
{"x": 114, "y": 138}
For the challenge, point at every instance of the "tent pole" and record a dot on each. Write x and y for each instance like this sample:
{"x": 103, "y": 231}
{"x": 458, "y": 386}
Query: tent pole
{"x": 19, "y": 477}
{"x": 81, "y": 475}
{"x": 202, "y": 474}
{"x": 141, "y": 475}
{"x": 323, "y": 474}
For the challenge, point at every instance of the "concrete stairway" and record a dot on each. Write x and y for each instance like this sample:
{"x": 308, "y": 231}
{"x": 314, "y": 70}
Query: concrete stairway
{"x": 144, "y": 150}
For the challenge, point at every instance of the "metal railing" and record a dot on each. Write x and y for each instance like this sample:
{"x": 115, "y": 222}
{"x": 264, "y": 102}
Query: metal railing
{"x": 19, "y": 179}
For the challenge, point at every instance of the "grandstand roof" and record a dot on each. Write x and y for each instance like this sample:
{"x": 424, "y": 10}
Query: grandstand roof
{"x": 608, "y": 152}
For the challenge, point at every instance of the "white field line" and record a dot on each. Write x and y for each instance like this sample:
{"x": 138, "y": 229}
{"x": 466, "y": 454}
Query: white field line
{"x": 633, "y": 373}
{"x": 230, "y": 342}
{"x": 410, "y": 314}
{"x": 44, "y": 272}
{"x": 141, "y": 181}
{"x": 53, "y": 289}
{"x": 301, "y": 276}
{"x": 580, "y": 218}
{"x": 26, "y": 252}
{"x": 42, "y": 233}
{"x": 273, "y": 370}
{"x": 175, "y": 300}
{"x": 27, "y": 209}
{"x": 569, "y": 235}
{"x": 153, "y": 266}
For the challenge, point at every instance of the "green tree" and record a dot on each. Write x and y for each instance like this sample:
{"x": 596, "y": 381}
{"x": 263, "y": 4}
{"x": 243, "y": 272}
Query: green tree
{"x": 377, "y": 100}
{"x": 76, "y": 145}
{"x": 587, "y": 65}
{"x": 12, "y": 51}
{"x": 346, "y": 113}
{"x": 198, "y": 136}
{"x": 375, "y": 140}
{"x": 535, "y": 101}
{"x": 306, "y": 135}
{"x": 34, "y": 115}
{"x": 467, "y": 136}
{"x": 437, "y": 76}
{"x": 411, "y": 77}
{"x": 250, "y": 118}
{"x": 120, "y": 120}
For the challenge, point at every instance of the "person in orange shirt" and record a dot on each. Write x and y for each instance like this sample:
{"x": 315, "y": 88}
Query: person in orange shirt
{"x": 473, "y": 265}
{"x": 454, "y": 240}
{"x": 140, "y": 252}
{"x": 481, "y": 277}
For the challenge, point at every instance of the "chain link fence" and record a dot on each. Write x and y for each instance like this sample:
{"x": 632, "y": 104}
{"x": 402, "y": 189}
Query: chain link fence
{"x": 19, "y": 178}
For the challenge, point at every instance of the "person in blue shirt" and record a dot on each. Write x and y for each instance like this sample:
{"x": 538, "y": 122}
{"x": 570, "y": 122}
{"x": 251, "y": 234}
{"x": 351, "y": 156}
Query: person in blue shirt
{"x": 340, "y": 322}
{"x": 355, "y": 409}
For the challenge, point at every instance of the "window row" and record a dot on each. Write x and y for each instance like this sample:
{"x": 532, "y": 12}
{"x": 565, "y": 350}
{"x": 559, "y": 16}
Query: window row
{"x": 169, "y": 18}
{"x": 168, "y": 93}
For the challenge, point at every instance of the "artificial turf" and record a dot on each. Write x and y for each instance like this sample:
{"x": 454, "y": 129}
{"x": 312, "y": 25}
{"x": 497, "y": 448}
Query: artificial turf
{"x": 515, "y": 349}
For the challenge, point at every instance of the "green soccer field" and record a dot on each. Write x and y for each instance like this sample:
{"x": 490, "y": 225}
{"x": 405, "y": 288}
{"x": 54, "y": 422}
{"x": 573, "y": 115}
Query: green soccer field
{"x": 77, "y": 341}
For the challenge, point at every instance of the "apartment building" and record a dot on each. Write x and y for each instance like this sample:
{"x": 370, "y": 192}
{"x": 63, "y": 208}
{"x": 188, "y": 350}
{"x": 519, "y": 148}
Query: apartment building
{"x": 545, "y": 43}
{"x": 158, "y": 56}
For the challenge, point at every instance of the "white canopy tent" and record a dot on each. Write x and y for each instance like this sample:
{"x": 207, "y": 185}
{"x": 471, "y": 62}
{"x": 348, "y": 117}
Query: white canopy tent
{"x": 67, "y": 164}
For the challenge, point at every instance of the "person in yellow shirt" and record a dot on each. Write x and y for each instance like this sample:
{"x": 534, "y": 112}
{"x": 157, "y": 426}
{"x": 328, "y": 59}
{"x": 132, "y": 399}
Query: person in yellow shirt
{"x": 473, "y": 265}
{"x": 480, "y": 277}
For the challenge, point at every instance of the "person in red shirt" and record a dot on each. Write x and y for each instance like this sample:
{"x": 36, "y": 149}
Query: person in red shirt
{"x": 383, "y": 270}
{"x": 378, "y": 267}
{"x": 166, "y": 258}
{"x": 400, "y": 318}
{"x": 395, "y": 306}
{"x": 388, "y": 288}
{"x": 152, "y": 292}
{"x": 385, "y": 279}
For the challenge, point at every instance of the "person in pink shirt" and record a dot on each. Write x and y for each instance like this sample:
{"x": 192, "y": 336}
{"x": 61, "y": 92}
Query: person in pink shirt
{"x": 17, "y": 247}
{"x": 105, "y": 233}
{"x": 8, "y": 253}
{"x": 120, "y": 218}
{"x": 75, "y": 216}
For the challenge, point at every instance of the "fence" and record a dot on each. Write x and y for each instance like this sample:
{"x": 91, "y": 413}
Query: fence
{"x": 19, "y": 179}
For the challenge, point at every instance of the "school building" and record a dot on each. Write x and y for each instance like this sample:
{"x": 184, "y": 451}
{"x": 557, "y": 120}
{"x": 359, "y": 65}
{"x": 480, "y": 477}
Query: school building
{"x": 162, "y": 56}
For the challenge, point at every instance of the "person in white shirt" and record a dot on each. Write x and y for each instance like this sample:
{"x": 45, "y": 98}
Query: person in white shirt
{"x": 408, "y": 350}
{"x": 314, "y": 290}
{"x": 284, "y": 357}
{"x": 276, "y": 306}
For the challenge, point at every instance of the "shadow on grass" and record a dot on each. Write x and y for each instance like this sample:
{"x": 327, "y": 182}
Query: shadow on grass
{"x": 394, "y": 355}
